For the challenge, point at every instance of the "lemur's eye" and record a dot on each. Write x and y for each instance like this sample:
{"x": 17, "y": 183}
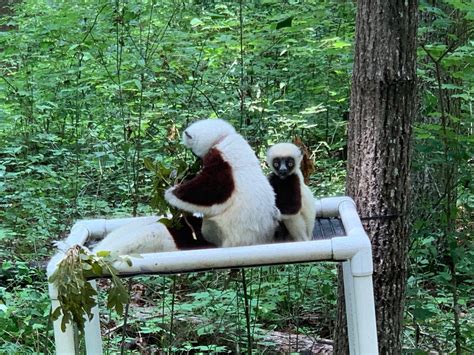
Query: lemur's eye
{"x": 290, "y": 164}
{"x": 276, "y": 163}
{"x": 188, "y": 135}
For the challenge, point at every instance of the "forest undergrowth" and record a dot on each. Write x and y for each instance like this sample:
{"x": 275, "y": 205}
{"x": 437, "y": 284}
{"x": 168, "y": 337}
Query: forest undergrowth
{"x": 93, "y": 98}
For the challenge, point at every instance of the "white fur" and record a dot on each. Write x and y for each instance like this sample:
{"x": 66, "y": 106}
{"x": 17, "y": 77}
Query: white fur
{"x": 284, "y": 150}
{"x": 202, "y": 135}
{"x": 299, "y": 225}
{"x": 249, "y": 216}
{"x": 137, "y": 238}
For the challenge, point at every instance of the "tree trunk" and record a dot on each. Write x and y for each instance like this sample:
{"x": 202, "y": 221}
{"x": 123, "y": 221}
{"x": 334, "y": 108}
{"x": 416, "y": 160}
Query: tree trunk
{"x": 381, "y": 113}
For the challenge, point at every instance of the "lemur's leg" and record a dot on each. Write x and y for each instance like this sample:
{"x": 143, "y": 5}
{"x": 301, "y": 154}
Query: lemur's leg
{"x": 136, "y": 238}
{"x": 296, "y": 226}
{"x": 309, "y": 210}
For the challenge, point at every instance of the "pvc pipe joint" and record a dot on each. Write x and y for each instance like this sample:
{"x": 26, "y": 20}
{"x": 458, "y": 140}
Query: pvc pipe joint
{"x": 329, "y": 206}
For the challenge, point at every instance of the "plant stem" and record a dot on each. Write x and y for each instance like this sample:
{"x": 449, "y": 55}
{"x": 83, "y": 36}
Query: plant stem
{"x": 242, "y": 95}
{"x": 173, "y": 298}
{"x": 247, "y": 312}
{"x": 125, "y": 319}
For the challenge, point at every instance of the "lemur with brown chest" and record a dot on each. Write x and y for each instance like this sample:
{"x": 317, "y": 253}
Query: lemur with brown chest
{"x": 293, "y": 198}
{"x": 231, "y": 192}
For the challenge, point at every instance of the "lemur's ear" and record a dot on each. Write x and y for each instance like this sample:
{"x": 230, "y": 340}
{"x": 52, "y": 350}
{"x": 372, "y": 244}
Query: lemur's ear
{"x": 188, "y": 135}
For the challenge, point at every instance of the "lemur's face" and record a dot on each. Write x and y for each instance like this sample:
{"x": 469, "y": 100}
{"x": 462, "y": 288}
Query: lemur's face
{"x": 283, "y": 166}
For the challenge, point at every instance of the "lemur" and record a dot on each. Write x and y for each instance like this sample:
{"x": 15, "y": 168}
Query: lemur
{"x": 293, "y": 198}
{"x": 231, "y": 192}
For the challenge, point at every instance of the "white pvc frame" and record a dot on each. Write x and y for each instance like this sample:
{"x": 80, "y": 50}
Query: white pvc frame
{"x": 354, "y": 250}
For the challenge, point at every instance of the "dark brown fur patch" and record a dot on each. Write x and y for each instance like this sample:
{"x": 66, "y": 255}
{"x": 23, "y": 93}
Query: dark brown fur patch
{"x": 288, "y": 194}
{"x": 183, "y": 234}
{"x": 213, "y": 185}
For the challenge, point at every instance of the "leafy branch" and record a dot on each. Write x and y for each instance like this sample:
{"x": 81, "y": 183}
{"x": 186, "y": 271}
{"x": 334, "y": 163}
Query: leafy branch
{"x": 165, "y": 177}
{"x": 76, "y": 295}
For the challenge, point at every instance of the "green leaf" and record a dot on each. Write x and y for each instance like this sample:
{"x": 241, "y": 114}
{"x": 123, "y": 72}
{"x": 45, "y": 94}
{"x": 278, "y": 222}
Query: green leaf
{"x": 149, "y": 164}
{"x": 422, "y": 313}
{"x": 56, "y": 313}
{"x": 103, "y": 253}
{"x": 196, "y": 22}
{"x": 138, "y": 84}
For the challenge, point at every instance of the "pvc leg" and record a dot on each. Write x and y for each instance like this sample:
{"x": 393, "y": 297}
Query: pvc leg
{"x": 65, "y": 342}
{"x": 365, "y": 315}
{"x": 350, "y": 300}
{"x": 92, "y": 334}
{"x": 360, "y": 312}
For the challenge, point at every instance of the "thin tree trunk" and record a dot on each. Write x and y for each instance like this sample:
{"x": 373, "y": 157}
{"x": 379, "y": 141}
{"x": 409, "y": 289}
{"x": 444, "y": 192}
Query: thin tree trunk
{"x": 382, "y": 110}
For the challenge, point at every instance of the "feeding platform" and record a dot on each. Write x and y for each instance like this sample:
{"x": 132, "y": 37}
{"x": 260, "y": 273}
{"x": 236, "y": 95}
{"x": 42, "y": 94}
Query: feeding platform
{"x": 338, "y": 236}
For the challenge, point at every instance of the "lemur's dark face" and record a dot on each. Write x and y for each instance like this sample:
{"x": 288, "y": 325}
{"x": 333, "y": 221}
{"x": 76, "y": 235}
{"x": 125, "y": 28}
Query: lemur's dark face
{"x": 283, "y": 166}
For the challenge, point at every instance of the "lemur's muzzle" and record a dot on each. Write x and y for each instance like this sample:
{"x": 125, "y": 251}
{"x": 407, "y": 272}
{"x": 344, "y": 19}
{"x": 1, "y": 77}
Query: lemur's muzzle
{"x": 283, "y": 172}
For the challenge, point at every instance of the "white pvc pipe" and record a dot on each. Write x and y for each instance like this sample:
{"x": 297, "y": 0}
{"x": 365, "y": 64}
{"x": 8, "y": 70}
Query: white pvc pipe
{"x": 365, "y": 315}
{"x": 64, "y": 341}
{"x": 77, "y": 236}
{"x": 92, "y": 335}
{"x": 329, "y": 206}
{"x": 217, "y": 258}
{"x": 357, "y": 244}
{"x": 350, "y": 218}
{"x": 345, "y": 248}
{"x": 350, "y": 302}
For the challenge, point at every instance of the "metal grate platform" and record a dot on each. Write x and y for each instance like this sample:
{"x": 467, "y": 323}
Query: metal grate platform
{"x": 327, "y": 228}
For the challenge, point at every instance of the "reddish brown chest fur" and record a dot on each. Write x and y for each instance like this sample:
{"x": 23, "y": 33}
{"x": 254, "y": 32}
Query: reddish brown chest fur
{"x": 183, "y": 234}
{"x": 213, "y": 185}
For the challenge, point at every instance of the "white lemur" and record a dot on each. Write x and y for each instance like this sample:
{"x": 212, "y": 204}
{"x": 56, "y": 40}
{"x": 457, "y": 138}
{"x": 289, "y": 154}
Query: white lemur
{"x": 293, "y": 198}
{"x": 231, "y": 192}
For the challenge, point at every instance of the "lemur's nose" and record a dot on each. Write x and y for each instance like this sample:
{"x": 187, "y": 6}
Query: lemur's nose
{"x": 283, "y": 171}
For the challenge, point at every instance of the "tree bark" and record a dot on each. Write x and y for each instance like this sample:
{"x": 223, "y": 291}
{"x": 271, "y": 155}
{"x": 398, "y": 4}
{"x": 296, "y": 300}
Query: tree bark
{"x": 383, "y": 106}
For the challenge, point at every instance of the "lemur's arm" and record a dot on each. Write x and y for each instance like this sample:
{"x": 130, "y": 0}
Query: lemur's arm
{"x": 208, "y": 192}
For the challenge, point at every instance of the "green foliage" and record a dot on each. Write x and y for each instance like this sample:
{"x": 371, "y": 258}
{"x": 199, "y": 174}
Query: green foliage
{"x": 76, "y": 295}
{"x": 93, "y": 97}
{"x": 166, "y": 176}
{"x": 441, "y": 280}
{"x": 200, "y": 313}
{"x": 24, "y": 308}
